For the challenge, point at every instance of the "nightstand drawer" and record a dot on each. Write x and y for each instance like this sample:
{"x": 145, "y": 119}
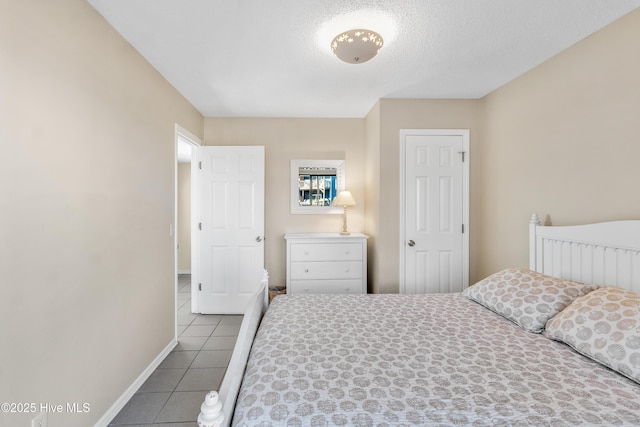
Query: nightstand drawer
{"x": 326, "y": 287}
{"x": 326, "y": 270}
{"x": 326, "y": 251}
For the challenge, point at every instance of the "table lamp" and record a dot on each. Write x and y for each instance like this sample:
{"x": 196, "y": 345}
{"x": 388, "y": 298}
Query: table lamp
{"x": 344, "y": 199}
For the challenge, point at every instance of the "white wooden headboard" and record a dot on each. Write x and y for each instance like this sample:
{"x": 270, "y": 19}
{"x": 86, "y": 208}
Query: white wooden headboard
{"x": 605, "y": 253}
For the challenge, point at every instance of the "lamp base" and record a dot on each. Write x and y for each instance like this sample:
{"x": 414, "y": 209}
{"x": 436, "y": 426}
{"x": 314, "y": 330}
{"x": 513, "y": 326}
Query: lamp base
{"x": 344, "y": 231}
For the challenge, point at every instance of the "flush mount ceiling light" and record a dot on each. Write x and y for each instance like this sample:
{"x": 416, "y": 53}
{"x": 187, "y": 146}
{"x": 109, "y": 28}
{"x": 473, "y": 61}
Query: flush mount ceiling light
{"x": 356, "y": 46}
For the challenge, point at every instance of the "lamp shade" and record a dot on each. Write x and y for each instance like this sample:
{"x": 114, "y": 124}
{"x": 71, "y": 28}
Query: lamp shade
{"x": 344, "y": 198}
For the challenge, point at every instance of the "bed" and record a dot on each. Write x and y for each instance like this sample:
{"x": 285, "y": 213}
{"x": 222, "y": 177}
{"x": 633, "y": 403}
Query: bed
{"x": 555, "y": 344}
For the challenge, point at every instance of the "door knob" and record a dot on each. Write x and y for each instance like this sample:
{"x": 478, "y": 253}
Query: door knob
{"x": 411, "y": 243}
{"x": 259, "y": 239}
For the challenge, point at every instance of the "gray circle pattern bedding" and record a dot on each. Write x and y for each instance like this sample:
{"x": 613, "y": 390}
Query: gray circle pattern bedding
{"x": 426, "y": 360}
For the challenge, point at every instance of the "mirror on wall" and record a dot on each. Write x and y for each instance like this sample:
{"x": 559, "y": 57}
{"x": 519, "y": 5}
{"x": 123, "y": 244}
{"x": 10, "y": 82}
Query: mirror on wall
{"x": 314, "y": 185}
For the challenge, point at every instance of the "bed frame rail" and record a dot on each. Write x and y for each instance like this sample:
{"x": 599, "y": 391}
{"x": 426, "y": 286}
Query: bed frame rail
{"x": 217, "y": 408}
{"x": 606, "y": 253}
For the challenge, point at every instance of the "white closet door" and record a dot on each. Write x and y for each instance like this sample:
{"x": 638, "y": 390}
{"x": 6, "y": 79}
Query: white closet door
{"x": 435, "y": 200}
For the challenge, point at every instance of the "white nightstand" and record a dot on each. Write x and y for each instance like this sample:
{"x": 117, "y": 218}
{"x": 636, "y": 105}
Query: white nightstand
{"x": 326, "y": 263}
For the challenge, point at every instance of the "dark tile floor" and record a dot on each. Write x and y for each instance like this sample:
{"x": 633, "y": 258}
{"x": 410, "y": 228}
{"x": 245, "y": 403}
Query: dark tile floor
{"x": 172, "y": 395}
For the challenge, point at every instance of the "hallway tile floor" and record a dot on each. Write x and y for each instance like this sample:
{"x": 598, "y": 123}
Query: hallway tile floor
{"x": 172, "y": 395}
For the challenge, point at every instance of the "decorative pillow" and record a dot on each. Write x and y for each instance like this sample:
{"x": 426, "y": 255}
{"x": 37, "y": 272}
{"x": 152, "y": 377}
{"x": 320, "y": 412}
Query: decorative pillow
{"x": 526, "y": 297}
{"x": 604, "y": 326}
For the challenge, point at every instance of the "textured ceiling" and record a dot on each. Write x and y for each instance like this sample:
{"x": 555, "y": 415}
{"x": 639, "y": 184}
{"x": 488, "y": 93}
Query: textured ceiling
{"x": 257, "y": 58}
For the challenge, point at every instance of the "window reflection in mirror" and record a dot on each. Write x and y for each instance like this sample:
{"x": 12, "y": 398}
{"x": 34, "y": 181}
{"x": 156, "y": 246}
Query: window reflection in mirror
{"x": 314, "y": 185}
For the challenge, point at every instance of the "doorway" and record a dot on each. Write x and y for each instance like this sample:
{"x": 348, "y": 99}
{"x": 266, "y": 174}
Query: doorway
{"x": 434, "y": 210}
{"x": 185, "y": 143}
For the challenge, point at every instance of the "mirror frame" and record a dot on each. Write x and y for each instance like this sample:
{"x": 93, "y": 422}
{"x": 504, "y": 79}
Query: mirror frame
{"x": 296, "y": 164}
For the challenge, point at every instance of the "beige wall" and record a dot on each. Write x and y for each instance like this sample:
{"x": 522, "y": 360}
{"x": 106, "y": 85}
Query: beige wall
{"x": 184, "y": 217}
{"x": 561, "y": 141}
{"x": 284, "y": 140}
{"x": 396, "y": 114}
{"x": 87, "y": 183}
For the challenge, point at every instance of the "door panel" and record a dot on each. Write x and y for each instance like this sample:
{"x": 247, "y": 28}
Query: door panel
{"x": 434, "y": 248}
{"x": 230, "y": 186}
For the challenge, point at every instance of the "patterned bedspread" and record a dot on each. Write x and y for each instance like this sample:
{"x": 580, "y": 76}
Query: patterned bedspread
{"x": 434, "y": 360}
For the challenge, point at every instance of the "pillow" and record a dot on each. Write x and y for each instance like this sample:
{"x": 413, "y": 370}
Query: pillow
{"x": 604, "y": 326}
{"x": 526, "y": 297}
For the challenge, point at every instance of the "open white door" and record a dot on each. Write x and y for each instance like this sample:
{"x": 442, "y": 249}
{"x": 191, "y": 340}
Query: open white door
{"x": 229, "y": 226}
{"x": 434, "y": 211}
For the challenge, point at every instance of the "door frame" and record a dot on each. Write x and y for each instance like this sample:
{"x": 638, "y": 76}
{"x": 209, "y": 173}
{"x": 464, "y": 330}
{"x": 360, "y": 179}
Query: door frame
{"x": 464, "y": 133}
{"x": 181, "y": 135}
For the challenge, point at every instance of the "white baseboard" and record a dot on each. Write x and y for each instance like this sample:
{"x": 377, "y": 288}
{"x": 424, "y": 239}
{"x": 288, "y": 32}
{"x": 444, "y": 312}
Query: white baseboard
{"x": 184, "y": 271}
{"x": 128, "y": 394}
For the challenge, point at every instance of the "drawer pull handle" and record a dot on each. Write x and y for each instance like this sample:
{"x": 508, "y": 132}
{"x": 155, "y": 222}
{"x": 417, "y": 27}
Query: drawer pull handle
{"x": 346, "y": 289}
{"x": 306, "y": 252}
{"x": 347, "y": 252}
{"x": 306, "y": 270}
{"x": 346, "y": 270}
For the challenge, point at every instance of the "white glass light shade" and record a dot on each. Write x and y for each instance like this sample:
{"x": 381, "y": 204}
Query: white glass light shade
{"x": 356, "y": 46}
